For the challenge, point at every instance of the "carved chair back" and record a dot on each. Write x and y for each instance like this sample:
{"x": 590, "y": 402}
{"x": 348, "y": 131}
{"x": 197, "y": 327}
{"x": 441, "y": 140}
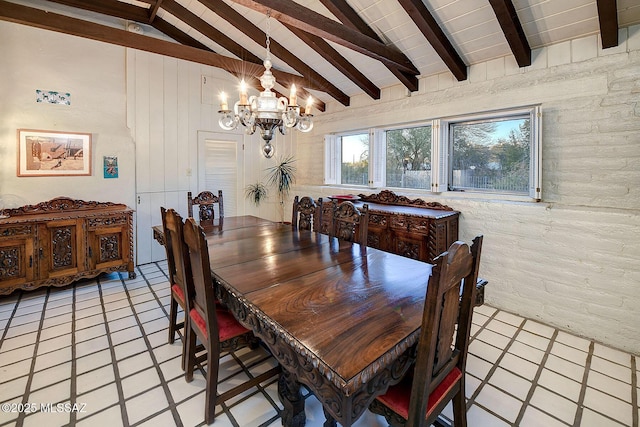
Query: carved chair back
{"x": 325, "y": 216}
{"x": 438, "y": 375}
{"x": 306, "y": 213}
{"x": 176, "y": 263}
{"x": 209, "y": 323}
{"x": 349, "y": 223}
{"x": 206, "y": 202}
{"x": 177, "y": 266}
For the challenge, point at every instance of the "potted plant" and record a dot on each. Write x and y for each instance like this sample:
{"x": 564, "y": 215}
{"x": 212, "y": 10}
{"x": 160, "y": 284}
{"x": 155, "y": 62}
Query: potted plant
{"x": 282, "y": 177}
{"x": 256, "y": 193}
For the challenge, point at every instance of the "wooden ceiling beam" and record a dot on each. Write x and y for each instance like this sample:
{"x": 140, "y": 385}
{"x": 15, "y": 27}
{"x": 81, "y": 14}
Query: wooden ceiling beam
{"x": 334, "y": 58}
{"x": 512, "y": 28}
{"x": 435, "y": 36}
{"x": 114, "y": 8}
{"x": 349, "y": 17}
{"x": 217, "y": 36}
{"x": 154, "y": 10}
{"x": 291, "y": 13}
{"x": 313, "y": 78}
{"x": 12, "y": 12}
{"x": 199, "y": 24}
{"x": 608, "y": 17}
{"x": 185, "y": 39}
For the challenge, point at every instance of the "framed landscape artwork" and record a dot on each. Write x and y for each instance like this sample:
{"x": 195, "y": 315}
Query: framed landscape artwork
{"x": 53, "y": 153}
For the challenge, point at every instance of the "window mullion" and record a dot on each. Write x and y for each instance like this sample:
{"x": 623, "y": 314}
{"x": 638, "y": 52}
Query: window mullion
{"x": 377, "y": 150}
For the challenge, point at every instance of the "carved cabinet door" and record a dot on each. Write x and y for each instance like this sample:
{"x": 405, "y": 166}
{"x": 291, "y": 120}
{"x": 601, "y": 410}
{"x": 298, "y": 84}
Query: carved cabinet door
{"x": 378, "y": 235}
{"x": 62, "y": 247}
{"x": 17, "y": 262}
{"x": 108, "y": 242}
{"x": 410, "y": 236}
{"x": 411, "y": 245}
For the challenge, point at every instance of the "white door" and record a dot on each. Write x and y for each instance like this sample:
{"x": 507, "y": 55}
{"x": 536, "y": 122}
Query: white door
{"x": 220, "y": 167}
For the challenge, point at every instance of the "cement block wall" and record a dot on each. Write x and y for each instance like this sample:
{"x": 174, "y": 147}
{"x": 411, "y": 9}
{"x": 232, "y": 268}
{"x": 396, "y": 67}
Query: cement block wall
{"x": 573, "y": 259}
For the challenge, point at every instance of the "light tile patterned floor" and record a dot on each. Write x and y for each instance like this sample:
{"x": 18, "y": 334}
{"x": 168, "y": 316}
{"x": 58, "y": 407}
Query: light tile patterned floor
{"x": 102, "y": 345}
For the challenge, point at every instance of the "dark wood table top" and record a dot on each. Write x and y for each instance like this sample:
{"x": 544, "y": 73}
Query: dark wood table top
{"x": 348, "y": 314}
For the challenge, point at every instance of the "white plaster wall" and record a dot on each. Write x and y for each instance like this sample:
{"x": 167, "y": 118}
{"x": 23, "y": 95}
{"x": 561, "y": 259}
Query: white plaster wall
{"x": 571, "y": 260}
{"x": 93, "y": 73}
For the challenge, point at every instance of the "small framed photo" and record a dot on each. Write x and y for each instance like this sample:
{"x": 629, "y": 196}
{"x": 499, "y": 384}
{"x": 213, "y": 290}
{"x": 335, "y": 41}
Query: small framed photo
{"x": 110, "y": 165}
{"x": 53, "y": 153}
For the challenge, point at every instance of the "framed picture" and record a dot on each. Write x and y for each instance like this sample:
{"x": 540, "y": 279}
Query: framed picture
{"x": 53, "y": 153}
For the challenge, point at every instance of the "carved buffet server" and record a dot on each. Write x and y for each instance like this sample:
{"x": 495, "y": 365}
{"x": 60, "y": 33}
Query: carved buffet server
{"x": 62, "y": 240}
{"x": 413, "y": 228}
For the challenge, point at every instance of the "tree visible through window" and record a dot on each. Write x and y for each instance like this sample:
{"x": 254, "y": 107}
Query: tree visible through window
{"x": 355, "y": 159}
{"x": 409, "y": 157}
{"x": 491, "y": 155}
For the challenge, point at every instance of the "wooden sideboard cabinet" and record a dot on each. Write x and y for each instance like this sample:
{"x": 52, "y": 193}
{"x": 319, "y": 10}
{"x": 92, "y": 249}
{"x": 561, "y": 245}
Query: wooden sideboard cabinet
{"x": 412, "y": 228}
{"x": 408, "y": 227}
{"x": 62, "y": 240}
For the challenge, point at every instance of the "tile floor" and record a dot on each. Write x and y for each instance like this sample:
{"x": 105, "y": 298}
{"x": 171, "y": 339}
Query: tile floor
{"x": 99, "y": 349}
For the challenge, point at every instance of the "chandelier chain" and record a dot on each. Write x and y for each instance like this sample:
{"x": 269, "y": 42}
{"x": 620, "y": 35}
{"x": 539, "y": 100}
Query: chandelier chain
{"x": 268, "y": 43}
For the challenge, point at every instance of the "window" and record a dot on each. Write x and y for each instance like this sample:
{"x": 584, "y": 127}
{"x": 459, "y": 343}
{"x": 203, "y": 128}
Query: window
{"x": 408, "y": 157}
{"x": 495, "y": 152}
{"x": 491, "y": 155}
{"x": 354, "y": 157}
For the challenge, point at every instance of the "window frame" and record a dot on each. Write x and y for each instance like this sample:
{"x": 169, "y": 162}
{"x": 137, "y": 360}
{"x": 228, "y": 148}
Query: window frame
{"x": 441, "y": 148}
{"x": 444, "y": 159}
{"x": 383, "y": 132}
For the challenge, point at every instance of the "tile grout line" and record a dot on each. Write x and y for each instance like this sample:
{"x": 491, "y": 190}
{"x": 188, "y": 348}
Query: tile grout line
{"x": 11, "y": 316}
{"x": 634, "y": 391}
{"x": 163, "y": 381}
{"x": 259, "y": 387}
{"x": 25, "y": 397}
{"x": 114, "y": 361}
{"x": 475, "y": 394}
{"x": 494, "y": 367}
{"x": 6, "y": 330}
{"x": 534, "y": 382}
{"x": 583, "y": 388}
{"x": 74, "y": 378}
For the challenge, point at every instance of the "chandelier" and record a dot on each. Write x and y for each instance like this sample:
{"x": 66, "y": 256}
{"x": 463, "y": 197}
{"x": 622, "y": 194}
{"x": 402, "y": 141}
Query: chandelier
{"x": 266, "y": 112}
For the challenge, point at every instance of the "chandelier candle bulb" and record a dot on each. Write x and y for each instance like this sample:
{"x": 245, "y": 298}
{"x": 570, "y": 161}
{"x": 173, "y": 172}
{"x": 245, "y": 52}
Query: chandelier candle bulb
{"x": 223, "y": 102}
{"x": 293, "y": 98}
{"x": 243, "y": 92}
{"x": 307, "y": 109}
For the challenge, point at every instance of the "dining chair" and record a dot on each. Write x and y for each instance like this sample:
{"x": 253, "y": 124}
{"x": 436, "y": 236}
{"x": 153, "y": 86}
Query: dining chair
{"x": 325, "y": 216}
{"x": 176, "y": 265}
{"x": 206, "y": 201}
{"x": 306, "y": 213}
{"x": 211, "y": 324}
{"x": 349, "y": 223}
{"x": 438, "y": 375}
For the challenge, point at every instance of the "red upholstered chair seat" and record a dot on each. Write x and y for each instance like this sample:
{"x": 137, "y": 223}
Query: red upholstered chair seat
{"x": 228, "y": 326}
{"x": 437, "y": 377}
{"x": 177, "y": 291}
{"x": 398, "y": 396}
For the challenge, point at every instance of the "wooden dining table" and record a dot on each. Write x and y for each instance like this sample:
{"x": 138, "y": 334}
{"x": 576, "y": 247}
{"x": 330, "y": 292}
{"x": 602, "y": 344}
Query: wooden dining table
{"x": 340, "y": 318}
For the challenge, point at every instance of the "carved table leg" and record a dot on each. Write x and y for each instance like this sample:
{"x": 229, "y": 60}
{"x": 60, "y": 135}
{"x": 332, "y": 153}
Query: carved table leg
{"x": 291, "y": 398}
{"x": 329, "y": 421}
